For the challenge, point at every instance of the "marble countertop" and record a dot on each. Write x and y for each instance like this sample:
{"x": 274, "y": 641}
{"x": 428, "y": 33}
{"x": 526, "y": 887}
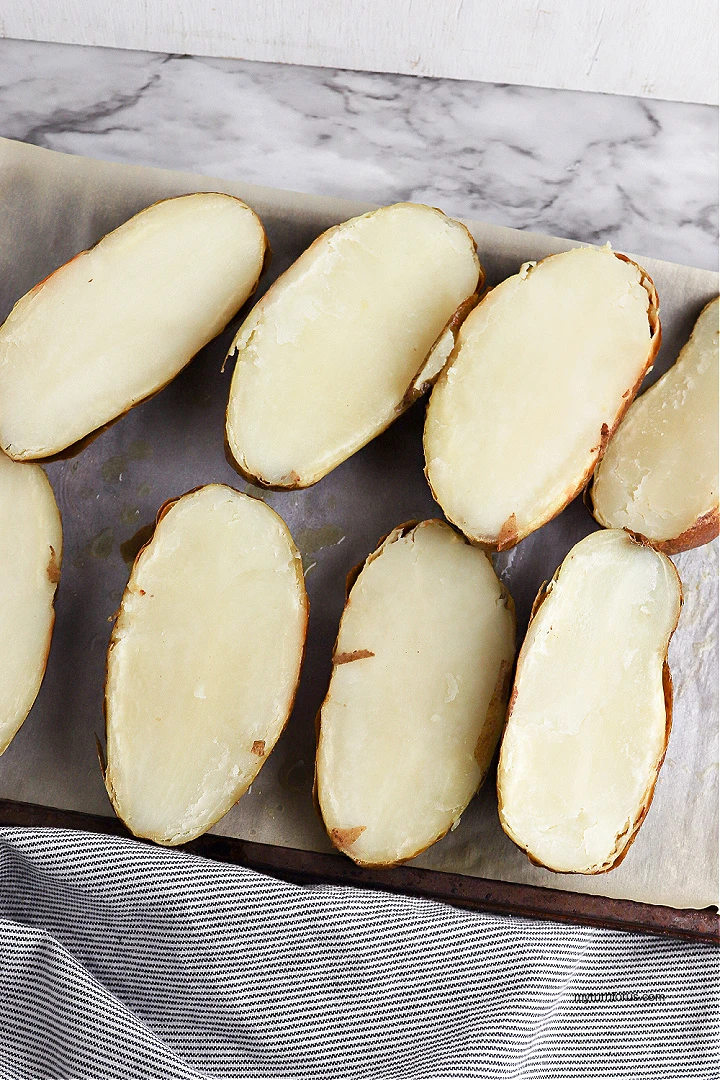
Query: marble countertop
{"x": 594, "y": 167}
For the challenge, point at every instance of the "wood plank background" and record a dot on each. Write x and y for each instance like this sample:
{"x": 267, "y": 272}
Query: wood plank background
{"x": 648, "y": 48}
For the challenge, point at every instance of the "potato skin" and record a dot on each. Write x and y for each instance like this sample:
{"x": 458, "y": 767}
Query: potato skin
{"x": 257, "y": 481}
{"x": 702, "y": 531}
{"x": 509, "y": 534}
{"x": 496, "y": 705}
{"x": 77, "y": 447}
{"x": 625, "y": 840}
{"x": 419, "y": 385}
{"x": 415, "y": 390}
{"x": 166, "y": 506}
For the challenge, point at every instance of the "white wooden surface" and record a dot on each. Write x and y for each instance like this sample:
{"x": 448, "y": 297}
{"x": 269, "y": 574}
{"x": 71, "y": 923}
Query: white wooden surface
{"x": 649, "y": 48}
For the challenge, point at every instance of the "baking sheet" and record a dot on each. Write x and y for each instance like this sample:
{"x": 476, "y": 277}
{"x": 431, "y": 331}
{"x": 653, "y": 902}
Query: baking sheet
{"x": 53, "y": 205}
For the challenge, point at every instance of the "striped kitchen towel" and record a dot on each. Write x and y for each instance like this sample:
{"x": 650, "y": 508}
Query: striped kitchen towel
{"x": 124, "y": 961}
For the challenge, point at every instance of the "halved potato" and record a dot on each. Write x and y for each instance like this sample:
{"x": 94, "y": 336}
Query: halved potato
{"x": 30, "y": 556}
{"x": 345, "y": 340}
{"x": 659, "y": 476}
{"x": 420, "y": 678}
{"x": 543, "y": 370}
{"x": 203, "y": 662}
{"x": 590, "y": 712}
{"x": 117, "y": 323}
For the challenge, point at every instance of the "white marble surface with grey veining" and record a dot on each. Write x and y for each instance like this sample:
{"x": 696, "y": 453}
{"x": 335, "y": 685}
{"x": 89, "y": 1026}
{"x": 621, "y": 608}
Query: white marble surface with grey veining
{"x": 641, "y": 174}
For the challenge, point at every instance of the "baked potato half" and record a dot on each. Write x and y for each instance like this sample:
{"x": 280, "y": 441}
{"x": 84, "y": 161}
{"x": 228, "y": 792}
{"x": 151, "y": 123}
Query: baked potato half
{"x": 659, "y": 475}
{"x": 30, "y": 558}
{"x": 417, "y": 696}
{"x": 358, "y": 327}
{"x": 118, "y": 322}
{"x": 542, "y": 373}
{"x": 203, "y": 663}
{"x": 590, "y": 711}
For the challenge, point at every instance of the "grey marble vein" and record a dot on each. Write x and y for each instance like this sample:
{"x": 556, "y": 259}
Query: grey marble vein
{"x": 594, "y": 167}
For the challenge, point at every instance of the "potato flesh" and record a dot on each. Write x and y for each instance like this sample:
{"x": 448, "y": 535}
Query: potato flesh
{"x": 407, "y": 734}
{"x": 327, "y": 357}
{"x": 587, "y": 728}
{"x": 514, "y": 425}
{"x": 660, "y": 473}
{"x": 30, "y": 556}
{"x": 118, "y": 322}
{"x": 203, "y": 663}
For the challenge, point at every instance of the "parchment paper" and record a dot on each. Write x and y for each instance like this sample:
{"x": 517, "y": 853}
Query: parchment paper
{"x": 52, "y": 206}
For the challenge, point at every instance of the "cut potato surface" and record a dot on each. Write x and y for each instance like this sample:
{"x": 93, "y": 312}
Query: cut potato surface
{"x": 203, "y": 662}
{"x": 118, "y": 322}
{"x": 30, "y": 556}
{"x": 659, "y": 476}
{"x": 417, "y": 695}
{"x": 542, "y": 373}
{"x": 590, "y": 711}
{"x": 344, "y": 341}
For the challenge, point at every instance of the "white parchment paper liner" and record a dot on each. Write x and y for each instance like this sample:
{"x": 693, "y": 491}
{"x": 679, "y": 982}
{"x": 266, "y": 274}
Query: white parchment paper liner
{"x": 53, "y": 205}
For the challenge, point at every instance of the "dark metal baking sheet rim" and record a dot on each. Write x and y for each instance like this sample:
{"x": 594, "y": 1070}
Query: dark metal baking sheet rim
{"x": 477, "y": 894}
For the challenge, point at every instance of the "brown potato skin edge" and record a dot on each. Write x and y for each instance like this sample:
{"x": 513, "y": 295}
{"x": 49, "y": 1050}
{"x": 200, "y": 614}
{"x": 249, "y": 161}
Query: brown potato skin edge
{"x": 397, "y": 534}
{"x": 505, "y": 540}
{"x": 418, "y": 388}
{"x": 627, "y": 838}
{"x": 701, "y": 532}
{"x": 51, "y": 627}
{"x": 166, "y": 506}
{"x": 413, "y": 392}
{"x": 73, "y": 449}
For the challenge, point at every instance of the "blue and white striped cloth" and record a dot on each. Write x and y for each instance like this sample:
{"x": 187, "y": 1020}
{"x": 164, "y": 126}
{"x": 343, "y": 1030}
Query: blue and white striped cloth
{"x": 123, "y": 961}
